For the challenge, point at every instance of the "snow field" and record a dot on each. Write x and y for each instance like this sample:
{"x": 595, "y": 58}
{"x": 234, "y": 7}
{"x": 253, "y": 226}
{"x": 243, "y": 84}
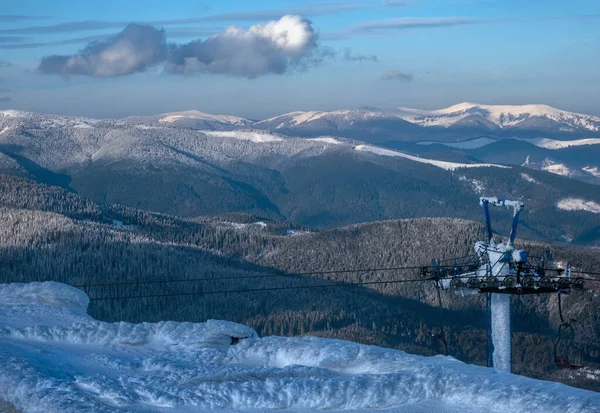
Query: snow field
{"x": 53, "y": 361}
{"x": 449, "y": 166}
{"x": 577, "y": 204}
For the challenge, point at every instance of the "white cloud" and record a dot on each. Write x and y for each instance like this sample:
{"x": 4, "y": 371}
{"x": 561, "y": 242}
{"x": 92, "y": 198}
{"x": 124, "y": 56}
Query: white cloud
{"x": 274, "y": 47}
{"x": 135, "y": 49}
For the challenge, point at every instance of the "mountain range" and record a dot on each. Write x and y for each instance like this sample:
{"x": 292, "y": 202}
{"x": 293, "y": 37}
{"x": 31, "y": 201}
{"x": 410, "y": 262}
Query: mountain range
{"x": 190, "y": 164}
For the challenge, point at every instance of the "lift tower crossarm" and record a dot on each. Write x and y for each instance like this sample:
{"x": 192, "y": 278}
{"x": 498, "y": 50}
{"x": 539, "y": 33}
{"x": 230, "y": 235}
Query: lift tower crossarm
{"x": 517, "y": 208}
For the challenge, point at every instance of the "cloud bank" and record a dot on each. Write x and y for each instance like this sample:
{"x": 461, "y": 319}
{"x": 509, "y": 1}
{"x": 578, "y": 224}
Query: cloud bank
{"x": 280, "y": 46}
{"x": 135, "y": 49}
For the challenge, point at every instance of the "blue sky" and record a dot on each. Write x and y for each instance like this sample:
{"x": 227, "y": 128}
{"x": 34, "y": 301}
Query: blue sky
{"x": 338, "y": 54}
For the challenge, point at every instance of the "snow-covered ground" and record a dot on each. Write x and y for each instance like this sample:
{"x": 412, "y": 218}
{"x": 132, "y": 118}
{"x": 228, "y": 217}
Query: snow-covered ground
{"x": 529, "y": 179}
{"x": 576, "y": 204}
{"x": 556, "y": 168}
{"x": 450, "y": 166}
{"x": 560, "y": 144}
{"x": 327, "y": 139}
{"x": 55, "y": 358}
{"x": 194, "y": 114}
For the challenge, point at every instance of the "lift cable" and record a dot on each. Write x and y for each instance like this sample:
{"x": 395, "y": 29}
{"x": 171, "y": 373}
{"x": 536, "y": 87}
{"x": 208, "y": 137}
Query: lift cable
{"x": 242, "y": 277}
{"x": 275, "y": 275}
{"x": 261, "y": 289}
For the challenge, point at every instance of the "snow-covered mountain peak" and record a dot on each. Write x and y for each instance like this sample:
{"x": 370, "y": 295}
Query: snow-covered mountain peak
{"x": 531, "y": 116}
{"x": 341, "y": 118}
{"x": 196, "y": 114}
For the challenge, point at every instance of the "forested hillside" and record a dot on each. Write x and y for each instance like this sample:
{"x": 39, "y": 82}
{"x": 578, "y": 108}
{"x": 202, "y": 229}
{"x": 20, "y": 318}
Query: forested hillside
{"x": 51, "y": 234}
{"x": 322, "y": 182}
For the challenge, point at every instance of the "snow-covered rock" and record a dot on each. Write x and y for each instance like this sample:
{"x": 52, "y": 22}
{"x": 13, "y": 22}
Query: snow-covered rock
{"x": 55, "y": 358}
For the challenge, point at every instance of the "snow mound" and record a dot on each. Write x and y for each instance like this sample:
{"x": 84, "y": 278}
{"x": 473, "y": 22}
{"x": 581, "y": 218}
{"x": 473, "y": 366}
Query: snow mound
{"x": 46, "y": 293}
{"x": 577, "y": 204}
{"x": 82, "y": 364}
{"x": 55, "y": 312}
{"x": 449, "y": 166}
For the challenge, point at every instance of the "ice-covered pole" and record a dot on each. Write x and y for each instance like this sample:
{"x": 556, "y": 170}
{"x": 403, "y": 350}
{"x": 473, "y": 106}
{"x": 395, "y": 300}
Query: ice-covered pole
{"x": 501, "y": 334}
{"x": 488, "y": 221}
{"x": 517, "y": 207}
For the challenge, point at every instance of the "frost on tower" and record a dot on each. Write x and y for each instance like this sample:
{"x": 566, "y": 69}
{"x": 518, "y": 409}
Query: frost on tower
{"x": 501, "y": 270}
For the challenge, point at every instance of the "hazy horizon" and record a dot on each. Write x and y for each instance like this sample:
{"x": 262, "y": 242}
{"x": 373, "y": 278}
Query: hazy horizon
{"x": 108, "y": 59}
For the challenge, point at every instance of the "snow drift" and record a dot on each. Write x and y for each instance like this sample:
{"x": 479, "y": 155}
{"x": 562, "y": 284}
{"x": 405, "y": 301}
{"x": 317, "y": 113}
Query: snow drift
{"x": 55, "y": 358}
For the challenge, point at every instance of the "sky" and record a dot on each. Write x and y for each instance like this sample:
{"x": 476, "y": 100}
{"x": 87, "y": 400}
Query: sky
{"x": 257, "y": 59}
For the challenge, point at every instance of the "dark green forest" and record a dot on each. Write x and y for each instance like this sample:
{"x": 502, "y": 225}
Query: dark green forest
{"x": 48, "y": 233}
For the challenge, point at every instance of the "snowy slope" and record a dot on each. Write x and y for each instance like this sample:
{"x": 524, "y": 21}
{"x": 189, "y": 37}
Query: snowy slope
{"x": 191, "y": 118}
{"x": 56, "y": 358}
{"x": 450, "y": 166}
{"x": 546, "y": 143}
{"x": 502, "y": 116}
{"x": 194, "y": 114}
{"x": 337, "y": 116}
{"x": 576, "y": 204}
{"x": 257, "y": 137}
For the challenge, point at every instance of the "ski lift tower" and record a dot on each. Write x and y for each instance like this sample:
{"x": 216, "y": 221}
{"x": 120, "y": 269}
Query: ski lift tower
{"x": 500, "y": 269}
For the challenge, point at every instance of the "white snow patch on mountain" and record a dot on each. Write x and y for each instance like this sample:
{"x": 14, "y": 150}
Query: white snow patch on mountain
{"x": 592, "y": 170}
{"x": 55, "y": 358}
{"x": 450, "y": 166}
{"x": 296, "y": 232}
{"x": 559, "y": 144}
{"x": 549, "y": 165}
{"x": 241, "y": 226}
{"x": 14, "y": 113}
{"x": 529, "y": 178}
{"x": 327, "y": 139}
{"x": 478, "y": 186}
{"x": 546, "y": 143}
{"x": 577, "y": 204}
{"x": 470, "y": 144}
{"x": 245, "y": 135}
